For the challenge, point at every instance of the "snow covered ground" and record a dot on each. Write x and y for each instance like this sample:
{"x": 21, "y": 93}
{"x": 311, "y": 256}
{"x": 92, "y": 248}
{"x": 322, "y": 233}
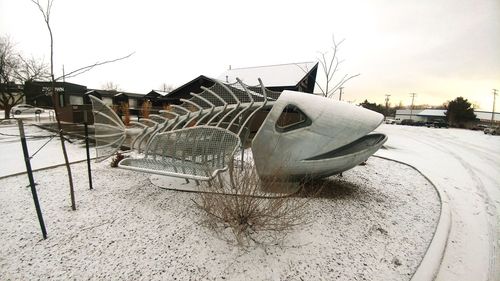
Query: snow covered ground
{"x": 49, "y": 155}
{"x": 465, "y": 165}
{"x": 375, "y": 223}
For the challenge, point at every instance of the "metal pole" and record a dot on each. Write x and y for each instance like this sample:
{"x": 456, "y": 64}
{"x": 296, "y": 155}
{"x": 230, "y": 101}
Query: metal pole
{"x": 411, "y": 109}
{"x": 493, "y": 111}
{"x": 30, "y": 177}
{"x": 340, "y": 95}
{"x": 87, "y": 148}
{"x": 387, "y": 104}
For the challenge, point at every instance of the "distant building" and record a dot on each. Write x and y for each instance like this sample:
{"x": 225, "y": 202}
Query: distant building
{"x": 485, "y": 116}
{"x": 73, "y": 98}
{"x": 155, "y": 96}
{"x": 427, "y": 115}
{"x": 37, "y": 93}
{"x": 292, "y": 76}
{"x": 421, "y": 115}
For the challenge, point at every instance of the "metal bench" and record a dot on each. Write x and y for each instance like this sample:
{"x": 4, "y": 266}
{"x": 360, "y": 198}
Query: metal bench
{"x": 197, "y": 153}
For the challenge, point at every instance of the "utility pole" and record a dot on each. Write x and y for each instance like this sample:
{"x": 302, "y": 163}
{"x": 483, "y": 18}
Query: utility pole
{"x": 387, "y": 104}
{"x": 493, "y": 111}
{"x": 411, "y": 109}
{"x": 340, "y": 95}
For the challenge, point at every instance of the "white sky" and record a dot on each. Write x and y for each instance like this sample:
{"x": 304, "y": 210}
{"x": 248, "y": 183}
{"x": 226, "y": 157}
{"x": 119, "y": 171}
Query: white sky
{"x": 439, "y": 49}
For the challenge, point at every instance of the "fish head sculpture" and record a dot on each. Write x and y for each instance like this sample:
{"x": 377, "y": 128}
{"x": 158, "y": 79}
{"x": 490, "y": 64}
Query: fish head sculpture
{"x": 309, "y": 136}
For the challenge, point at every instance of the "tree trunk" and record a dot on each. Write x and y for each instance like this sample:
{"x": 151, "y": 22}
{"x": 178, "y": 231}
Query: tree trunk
{"x": 55, "y": 101}
{"x": 7, "y": 109}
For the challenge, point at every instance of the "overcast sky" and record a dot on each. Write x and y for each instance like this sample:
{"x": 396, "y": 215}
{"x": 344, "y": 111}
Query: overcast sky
{"x": 439, "y": 49}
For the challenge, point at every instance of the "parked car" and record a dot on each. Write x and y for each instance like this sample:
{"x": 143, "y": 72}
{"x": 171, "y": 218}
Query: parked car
{"x": 495, "y": 130}
{"x": 437, "y": 124}
{"x": 479, "y": 127}
{"x": 407, "y": 122}
{"x": 25, "y": 108}
{"x": 390, "y": 121}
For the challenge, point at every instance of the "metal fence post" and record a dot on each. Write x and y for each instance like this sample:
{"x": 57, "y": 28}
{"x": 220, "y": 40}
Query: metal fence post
{"x": 87, "y": 148}
{"x": 30, "y": 177}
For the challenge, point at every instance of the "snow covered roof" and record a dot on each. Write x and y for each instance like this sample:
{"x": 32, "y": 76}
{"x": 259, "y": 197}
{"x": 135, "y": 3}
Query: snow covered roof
{"x": 408, "y": 111}
{"x": 485, "y": 115}
{"x": 157, "y": 92}
{"x": 433, "y": 112}
{"x": 271, "y": 75}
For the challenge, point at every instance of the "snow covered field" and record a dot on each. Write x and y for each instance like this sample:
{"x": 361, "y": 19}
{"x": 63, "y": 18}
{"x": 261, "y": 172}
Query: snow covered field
{"x": 375, "y": 223}
{"x": 465, "y": 165}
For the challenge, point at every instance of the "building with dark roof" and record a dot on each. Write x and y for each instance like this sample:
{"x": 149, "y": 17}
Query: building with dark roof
{"x": 293, "y": 76}
{"x": 155, "y": 96}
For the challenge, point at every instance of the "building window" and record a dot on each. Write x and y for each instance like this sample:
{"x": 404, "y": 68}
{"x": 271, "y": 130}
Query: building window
{"x": 75, "y": 100}
{"x": 132, "y": 103}
{"x": 292, "y": 118}
{"x": 107, "y": 101}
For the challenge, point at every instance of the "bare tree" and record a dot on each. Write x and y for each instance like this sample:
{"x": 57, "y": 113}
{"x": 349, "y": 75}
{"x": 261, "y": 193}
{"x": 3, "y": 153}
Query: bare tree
{"x": 45, "y": 11}
{"x": 110, "y": 86}
{"x": 8, "y": 64}
{"x": 32, "y": 69}
{"x": 55, "y": 95}
{"x": 15, "y": 70}
{"x": 330, "y": 63}
{"x": 166, "y": 87}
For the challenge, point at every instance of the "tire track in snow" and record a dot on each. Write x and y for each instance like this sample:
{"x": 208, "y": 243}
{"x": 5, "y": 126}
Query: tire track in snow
{"x": 490, "y": 208}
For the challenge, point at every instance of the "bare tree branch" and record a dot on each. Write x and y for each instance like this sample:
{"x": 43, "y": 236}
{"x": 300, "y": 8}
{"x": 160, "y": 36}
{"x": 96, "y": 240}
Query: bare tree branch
{"x": 330, "y": 63}
{"x": 55, "y": 97}
{"x": 84, "y": 69}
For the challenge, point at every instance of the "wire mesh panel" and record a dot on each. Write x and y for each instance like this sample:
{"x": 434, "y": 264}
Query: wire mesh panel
{"x": 195, "y": 153}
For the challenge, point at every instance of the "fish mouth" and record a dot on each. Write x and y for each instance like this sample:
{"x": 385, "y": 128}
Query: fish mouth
{"x": 364, "y": 143}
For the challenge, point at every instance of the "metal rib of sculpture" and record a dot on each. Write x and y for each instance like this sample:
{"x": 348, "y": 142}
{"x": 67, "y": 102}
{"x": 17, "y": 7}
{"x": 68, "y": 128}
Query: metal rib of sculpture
{"x": 303, "y": 136}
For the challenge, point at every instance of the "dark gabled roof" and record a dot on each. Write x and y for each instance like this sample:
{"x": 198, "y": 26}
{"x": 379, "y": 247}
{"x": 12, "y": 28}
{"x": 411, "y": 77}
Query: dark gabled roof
{"x": 273, "y": 76}
{"x": 154, "y": 94}
{"x": 184, "y": 91}
{"x": 102, "y": 93}
{"x": 133, "y": 95}
{"x": 294, "y": 76}
{"x": 113, "y": 93}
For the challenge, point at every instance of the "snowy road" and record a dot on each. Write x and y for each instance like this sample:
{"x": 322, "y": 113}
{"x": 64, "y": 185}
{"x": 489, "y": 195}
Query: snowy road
{"x": 465, "y": 166}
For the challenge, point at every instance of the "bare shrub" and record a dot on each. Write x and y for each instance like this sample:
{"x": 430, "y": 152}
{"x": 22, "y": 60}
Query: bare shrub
{"x": 146, "y": 109}
{"x": 255, "y": 212}
{"x": 117, "y": 158}
{"x": 126, "y": 113}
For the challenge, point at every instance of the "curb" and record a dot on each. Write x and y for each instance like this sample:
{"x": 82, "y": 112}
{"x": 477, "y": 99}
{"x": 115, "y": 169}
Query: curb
{"x": 431, "y": 262}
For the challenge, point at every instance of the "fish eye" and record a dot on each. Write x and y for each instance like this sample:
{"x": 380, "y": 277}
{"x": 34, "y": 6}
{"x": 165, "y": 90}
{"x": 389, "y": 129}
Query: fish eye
{"x": 292, "y": 118}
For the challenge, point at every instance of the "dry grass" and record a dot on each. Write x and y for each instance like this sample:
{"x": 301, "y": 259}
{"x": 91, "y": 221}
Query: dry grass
{"x": 249, "y": 216}
{"x": 146, "y": 109}
{"x": 126, "y": 113}
{"x": 117, "y": 158}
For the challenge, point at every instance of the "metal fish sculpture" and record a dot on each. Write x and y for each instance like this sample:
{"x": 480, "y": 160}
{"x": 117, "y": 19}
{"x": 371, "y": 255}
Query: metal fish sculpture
{"x": 303, "y": 136}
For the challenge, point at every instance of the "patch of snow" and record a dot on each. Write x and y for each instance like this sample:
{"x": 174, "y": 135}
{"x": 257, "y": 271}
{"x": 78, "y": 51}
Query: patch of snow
{"x": 465, "y": 165}
{"x": 374, "y": 223}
